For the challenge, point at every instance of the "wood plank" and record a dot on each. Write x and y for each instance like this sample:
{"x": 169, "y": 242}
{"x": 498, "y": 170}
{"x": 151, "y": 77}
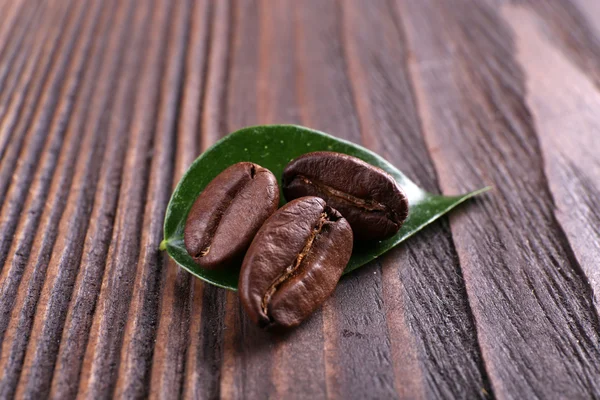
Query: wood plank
{"x": 117, "y": 98}
{"x": 589, "y": 10}
{"x": 425, "y": 269}
{"x": 104, "y": 104}
{"x": 14, "y": 52}
{"x": 298, "y": 368}
{"x": 536, "y": 323}
{"x": 260, "y": 364}
{"x": 99, "y": 372}
{"x": 21, "y": 245}
{"x": 140, "y": 331}
{"x": 18, "y": 87}
{"x": 16, "y": 326}
{"x": 564, "y": 103}
{"x": 203, "y": 369}
{"x": 20, "y": 120}
{"x": 57, "y": 249}
{"x": 574, "y": 30}
{"x": 357, "y": 349}
{"x": 247, "y": 351}
{"x": 177, "y": 326}
{"x": 128, "y": 246}
{"x": 12, "y": 11}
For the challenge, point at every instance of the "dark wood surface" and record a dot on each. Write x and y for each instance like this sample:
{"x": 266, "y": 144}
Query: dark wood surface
{"x": 104, "y": 104}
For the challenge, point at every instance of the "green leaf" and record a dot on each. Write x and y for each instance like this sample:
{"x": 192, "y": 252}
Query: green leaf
{"x": 273, "y": 146}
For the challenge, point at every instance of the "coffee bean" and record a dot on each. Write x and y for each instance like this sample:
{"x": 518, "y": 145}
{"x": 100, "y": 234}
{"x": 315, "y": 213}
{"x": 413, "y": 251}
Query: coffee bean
{"x": 227, "y": 214}
{"x": 294, "y": 263}
{"x": 367, "y": 196}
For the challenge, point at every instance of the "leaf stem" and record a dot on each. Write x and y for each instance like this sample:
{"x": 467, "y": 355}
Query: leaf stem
{"x": 163, "y": 245}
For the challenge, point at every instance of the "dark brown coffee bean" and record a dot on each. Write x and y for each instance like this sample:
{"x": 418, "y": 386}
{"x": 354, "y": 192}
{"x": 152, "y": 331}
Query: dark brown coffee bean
{"x": 228, "y": 213}
{"x": 367, "y": 196}
{"x": 294, "y": 263}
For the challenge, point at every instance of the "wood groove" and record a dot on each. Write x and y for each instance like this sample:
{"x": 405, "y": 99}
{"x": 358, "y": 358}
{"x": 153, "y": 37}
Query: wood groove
{"x": 70, "y": 227}
{"x": 173, "y": 336}
{"x": 99, "y": 377}
{"x": 9, "y": 225}
{"x": 35, "y": 274}
{"x": 36, "y": 203}
{"x": 33, "y": 139}
{"x": 9, "y": 108}
{"x": 26, "y": 150}
{"x": 211, "y": 357}
{"x": 296, "y": 361}
{"x": 244, "y": 345}
{"x": 10, "y": 28}
{"x": 205, "y": 355}
{"x": 140, "y": 331}
{"x": 13, "y": 74}
{"x": 26, "y": 305}
{"x": 203, "y": 363}
{"x": 211, "y": 125}
{"x": 86, "y": 289}
{"x": 350, "y": 329}
{"x": 11, "y": 16}
{"x": 24, "y": 242}
{"x": 17, "y": 53}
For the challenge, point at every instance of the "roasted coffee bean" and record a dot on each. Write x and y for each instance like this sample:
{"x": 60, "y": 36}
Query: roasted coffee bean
{"x": 228, "y": 213}
{"x": 367, "y": 196}
{"x": 294, "y": 263}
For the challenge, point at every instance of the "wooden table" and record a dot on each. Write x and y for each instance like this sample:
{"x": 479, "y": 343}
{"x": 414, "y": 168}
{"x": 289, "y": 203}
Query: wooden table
{"x": 104, "y": 104}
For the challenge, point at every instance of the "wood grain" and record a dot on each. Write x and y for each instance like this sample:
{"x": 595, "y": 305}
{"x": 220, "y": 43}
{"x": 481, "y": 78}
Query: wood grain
{"x": 427, "y": 267}
{"x": 537, "y": 325}
{"x": 104, "y": 104}
{"x": 564, "y": 108}
{"x": 176, "y": 328}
